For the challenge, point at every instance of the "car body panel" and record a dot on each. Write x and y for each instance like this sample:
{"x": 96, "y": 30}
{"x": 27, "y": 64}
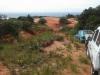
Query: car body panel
{"x": 94, "y": 52}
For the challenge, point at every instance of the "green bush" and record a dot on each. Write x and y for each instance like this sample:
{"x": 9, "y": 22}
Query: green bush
{"x": 84, "y": 60}
{"x": 74, "y": 68}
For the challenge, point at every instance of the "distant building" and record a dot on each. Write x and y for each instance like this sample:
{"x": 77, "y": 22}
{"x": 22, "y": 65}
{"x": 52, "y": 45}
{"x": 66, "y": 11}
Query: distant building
{"x": 4, "y": 17}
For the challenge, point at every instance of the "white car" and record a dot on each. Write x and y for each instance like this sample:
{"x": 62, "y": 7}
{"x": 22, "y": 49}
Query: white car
{"x": 93, "y": 51}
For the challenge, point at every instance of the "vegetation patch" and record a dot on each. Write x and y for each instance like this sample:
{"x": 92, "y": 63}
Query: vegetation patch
{"x": 74, "y": 68}
{"x": 84, "y": 60}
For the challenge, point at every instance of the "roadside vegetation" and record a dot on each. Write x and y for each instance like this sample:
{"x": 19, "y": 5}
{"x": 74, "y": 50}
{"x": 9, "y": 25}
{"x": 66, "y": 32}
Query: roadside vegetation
{"x": 28, "y": 57}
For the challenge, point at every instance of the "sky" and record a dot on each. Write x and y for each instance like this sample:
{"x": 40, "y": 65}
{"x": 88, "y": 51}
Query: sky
{"x": 30, "y": 6}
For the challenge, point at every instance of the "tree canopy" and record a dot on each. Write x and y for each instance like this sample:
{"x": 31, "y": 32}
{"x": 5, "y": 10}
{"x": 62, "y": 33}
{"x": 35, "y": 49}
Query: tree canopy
{"x": 90, "y": 18}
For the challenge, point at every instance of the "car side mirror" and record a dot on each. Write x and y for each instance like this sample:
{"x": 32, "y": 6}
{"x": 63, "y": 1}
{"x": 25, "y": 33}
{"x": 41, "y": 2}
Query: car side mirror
{"x": 89, "y": 38}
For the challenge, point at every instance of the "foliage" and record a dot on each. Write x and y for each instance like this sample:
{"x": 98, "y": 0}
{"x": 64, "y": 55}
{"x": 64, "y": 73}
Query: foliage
{"x": 69, "y": 31}
{"x": 7, "y": 27}
{"x": 14, "y": 26}
{"x": 90, "y": 18}
{"x": 26, "y": 18}
{"x": 63, "y": 21}
{"x": 84, "y": 60}
{"x": 74, "y": 68}
{"x": 42, "y": 21}
{"x": 27, "y": 26}
{"x": 70, "y": 16}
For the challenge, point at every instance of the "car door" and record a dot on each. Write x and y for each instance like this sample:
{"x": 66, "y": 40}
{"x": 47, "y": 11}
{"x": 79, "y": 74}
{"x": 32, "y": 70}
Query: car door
{"x": 94, "y": 48}
{"x": 92, "y": 44}
{"x": 96, "y": 54}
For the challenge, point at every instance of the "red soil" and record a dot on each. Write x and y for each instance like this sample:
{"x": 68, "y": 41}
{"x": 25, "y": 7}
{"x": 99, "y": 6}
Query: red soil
{"x": 53, "y": 22}
{"x": 4, "y": 70}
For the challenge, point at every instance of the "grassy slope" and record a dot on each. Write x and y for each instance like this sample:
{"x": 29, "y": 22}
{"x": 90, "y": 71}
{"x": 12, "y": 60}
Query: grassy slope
{"x": 33, "y": 58}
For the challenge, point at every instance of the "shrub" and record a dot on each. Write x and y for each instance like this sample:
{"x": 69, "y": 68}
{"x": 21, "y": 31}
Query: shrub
{"x": 84, "y": 60}
{"x": 67, "y": 61}
{"x": 69, "y": 47}
{"x": 1, "y": 47}
{"x": 42, "y": 21}
{"x": 74, "y": 68}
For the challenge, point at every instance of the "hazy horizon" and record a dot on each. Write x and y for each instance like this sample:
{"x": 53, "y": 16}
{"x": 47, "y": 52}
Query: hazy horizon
{"x": 56, "y": 14}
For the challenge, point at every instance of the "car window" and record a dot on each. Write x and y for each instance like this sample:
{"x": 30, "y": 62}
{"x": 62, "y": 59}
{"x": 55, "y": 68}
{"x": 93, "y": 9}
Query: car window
{"x": 95, "y": 36}
{"x": 89, "y": 32}
{"x": 98, "y": 40}
{"x": 84, "y": 33}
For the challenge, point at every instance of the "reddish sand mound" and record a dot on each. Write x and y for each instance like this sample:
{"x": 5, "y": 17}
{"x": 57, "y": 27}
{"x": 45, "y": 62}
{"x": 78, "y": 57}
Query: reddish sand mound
{"x": 4, "y": 70}
{"x": 53, "y": 22}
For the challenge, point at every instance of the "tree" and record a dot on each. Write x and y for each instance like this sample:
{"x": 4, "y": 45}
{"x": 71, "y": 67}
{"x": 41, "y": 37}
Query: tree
{"x": 63, "y": 21}
{"x": 26, "y": 18}
{"x": 8, "y": 28}
{"x": 90, "y": 18}
{"x": 30, "y": 18}
{"x": 42, "y": 21}
{"x": 70, "y": 16}
{"x": 27, "y": 26}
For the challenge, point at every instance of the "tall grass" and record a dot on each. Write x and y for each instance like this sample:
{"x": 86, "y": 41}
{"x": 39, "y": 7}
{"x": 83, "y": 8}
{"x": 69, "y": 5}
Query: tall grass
{"x": 74, "y": 68}
{"x": 84, "y": 60}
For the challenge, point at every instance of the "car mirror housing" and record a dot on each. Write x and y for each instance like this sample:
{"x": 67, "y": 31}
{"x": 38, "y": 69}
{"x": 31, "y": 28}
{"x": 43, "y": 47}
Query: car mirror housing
{"x": 89, "y": 38}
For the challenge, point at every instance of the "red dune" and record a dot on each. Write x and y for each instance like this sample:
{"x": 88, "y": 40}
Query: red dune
{"x": 53, "y": 22}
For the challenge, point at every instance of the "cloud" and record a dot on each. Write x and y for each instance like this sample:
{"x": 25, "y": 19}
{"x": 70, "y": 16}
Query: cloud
{"x": 46, "y": 5}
